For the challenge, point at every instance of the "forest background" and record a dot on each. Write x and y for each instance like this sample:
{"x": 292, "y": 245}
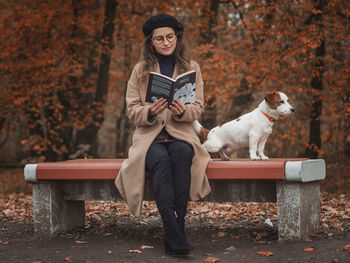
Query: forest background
{"x": 64, "y": 67}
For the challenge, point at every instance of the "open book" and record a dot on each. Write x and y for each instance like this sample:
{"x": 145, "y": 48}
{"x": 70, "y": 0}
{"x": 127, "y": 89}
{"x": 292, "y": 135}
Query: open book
{"x": 182, "y": 88}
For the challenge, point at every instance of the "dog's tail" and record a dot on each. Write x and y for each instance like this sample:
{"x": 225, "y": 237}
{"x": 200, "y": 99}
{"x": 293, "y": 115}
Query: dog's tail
{"x": 200, "y": 131}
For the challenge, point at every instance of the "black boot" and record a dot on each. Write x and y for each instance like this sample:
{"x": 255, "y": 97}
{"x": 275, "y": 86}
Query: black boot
{"x": 181, "y": 223}
{"x": 181, "y": 210}
{"x": 174, "y": 239}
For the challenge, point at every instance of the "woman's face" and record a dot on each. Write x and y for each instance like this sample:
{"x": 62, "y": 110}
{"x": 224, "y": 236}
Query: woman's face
{"x": 164, "y": 40}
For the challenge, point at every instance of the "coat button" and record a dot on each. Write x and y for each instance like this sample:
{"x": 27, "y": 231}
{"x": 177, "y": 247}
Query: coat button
{"x": 163, "y": 122}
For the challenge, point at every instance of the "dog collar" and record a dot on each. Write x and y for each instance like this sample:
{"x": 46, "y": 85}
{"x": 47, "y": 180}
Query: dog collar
{"x": 268, "y": 116}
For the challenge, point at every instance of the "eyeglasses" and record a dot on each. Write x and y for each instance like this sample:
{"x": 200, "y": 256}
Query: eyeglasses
{"x": 158, "y": 40}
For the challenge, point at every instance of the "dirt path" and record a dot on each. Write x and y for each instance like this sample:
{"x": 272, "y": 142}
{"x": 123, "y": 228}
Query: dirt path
{"x": 99, "y": 243}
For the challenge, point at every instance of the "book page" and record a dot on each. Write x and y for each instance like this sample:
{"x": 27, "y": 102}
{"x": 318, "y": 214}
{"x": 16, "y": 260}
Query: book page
{"x": 185, "y": 88}
{"x": 160, "y": 88}
{"x": 186, "y": 94}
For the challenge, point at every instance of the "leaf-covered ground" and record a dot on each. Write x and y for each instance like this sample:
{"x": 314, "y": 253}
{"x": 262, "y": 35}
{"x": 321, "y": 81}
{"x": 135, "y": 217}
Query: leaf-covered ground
{"x": 220, "y": 232}
{"x": 335, "y": 212}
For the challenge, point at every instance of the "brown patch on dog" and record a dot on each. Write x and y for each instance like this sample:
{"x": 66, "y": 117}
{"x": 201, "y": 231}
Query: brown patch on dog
{"x": 204, "y": 133}
{"x": 273, "y": 99}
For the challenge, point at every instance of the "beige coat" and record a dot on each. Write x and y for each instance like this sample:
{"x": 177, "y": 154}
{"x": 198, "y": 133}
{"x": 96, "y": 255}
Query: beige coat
{"x": 131, "y": 177}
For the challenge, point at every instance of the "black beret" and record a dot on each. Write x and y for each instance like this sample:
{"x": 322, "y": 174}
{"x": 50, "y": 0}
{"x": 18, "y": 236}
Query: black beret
{"x": 161, "y": 20}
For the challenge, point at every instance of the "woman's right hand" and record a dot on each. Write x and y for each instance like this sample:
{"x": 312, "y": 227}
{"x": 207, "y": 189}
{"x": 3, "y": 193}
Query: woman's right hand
{"x": 157, "y": 107}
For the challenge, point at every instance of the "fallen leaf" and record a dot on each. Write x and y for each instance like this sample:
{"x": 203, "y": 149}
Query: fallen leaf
{"x": 96, "y": 217}
{"x": 80, "y": 242}
{"x": 68, "y": 258}
{"x": 231, "y": 248}
{"x": 221, "y": 234}
{"x": 135, "y": 251}
{"x": 211, "y": 260}
{"x": 309, "y": 249}
{"x": 76, "y": 246}
{"x": 110, "y": 252}
{"x": 325, "y": 226}
{"x": 146, "y": 247}
{"x": 346, "y": 248}
{"x": 265, "y": 253}
{"x": 4, "y": 242}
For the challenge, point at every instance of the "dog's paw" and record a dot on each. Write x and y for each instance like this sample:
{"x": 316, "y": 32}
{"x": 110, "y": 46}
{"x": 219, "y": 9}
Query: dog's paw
{"x": 224, "y": 158}
{"x": 254, "y": 157}
{"x": 223, "y": 155}
{"x": 264, "y": 158}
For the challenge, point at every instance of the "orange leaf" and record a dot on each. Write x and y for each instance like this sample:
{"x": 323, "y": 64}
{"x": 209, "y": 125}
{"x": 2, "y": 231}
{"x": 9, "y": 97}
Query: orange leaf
{"x": 76, "y": 247}
{"x": 346, "y": 248}
{"x": 309, "y": 249}
{"x": 36, "y": 147}
{"x": 67, "y": 258}
{"x": 146, "y": 247}
{"x": 265, "y": 253}
{"x": 24, "y": 142}
{"x": 211, "y": 260}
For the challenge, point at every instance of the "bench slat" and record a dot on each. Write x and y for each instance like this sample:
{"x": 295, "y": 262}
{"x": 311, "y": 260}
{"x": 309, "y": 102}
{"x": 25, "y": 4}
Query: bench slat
{"x": 246, "y": 169}
{"x": 79, "y": 169}
{"x": 107, "y": 169}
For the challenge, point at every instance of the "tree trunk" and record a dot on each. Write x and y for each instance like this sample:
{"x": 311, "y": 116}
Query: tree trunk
{"x": 317, "y": 87}
{"x": 123, "y": 124}
{"x": 347, "y": 128}
{"x": 107, "y": 37}
{"x": 103, "y": 75}
{"x": 244, "y": 97}
{"x": 209, "y": 37}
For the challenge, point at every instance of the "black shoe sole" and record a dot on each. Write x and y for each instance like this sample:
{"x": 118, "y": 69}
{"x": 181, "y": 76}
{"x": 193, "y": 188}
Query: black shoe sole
{"x": 179, "y": 252}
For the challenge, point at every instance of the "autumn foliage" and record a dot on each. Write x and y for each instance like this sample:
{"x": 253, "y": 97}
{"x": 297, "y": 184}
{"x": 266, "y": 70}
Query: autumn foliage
{"x": 65, "y": 66}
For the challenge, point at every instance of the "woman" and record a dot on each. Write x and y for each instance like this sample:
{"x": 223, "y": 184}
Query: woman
{"x": 164, "y": 142}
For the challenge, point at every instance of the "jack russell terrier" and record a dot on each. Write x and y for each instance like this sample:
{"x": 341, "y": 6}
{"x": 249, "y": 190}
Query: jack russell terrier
{"x": 251, "y": 129}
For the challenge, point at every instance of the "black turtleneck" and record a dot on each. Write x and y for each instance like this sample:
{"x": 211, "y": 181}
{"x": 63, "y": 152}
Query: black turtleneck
{"x": 167, "y": 67}
{"x": 166, "y": 64}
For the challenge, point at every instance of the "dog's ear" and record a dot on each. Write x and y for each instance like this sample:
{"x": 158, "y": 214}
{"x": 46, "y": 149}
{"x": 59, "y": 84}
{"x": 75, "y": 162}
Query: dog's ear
{"x": 271, "y": 99}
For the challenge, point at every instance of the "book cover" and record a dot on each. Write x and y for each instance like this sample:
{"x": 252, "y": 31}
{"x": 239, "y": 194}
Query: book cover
{"x": 182, "y": 88}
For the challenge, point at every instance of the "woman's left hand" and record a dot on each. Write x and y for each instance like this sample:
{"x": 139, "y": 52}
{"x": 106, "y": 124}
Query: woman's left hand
{"x": 177, "y": 107}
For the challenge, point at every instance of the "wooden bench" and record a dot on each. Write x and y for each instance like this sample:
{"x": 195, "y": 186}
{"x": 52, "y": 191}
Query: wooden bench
{"x": 60, "y": 189}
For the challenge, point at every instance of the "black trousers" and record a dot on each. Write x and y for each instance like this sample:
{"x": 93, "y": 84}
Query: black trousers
{"x": 170, "y": 166}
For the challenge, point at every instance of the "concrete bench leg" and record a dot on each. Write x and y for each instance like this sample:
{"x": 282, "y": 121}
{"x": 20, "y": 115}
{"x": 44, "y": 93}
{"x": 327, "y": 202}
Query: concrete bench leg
{"x": 53, "y": 214}
{"x": 298, "y": 209}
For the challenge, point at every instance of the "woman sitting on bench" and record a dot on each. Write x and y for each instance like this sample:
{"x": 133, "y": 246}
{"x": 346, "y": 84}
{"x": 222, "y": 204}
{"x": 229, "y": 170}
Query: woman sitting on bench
{"x": 164, "y": 143}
